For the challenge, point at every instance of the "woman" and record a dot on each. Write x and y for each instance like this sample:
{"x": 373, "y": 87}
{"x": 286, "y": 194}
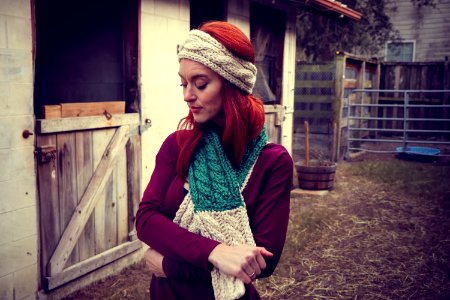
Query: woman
{"x": 216, "y": 209}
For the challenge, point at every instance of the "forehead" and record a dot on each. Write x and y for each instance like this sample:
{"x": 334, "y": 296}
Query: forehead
{"x": 190, "y": 68}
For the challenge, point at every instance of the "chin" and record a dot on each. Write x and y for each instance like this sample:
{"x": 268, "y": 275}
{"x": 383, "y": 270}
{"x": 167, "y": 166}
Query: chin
{"x": 201, "y": 120}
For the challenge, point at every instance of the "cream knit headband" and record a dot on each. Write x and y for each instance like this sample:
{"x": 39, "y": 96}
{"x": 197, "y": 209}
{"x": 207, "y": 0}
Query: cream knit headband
{"x": 203, "y": 48}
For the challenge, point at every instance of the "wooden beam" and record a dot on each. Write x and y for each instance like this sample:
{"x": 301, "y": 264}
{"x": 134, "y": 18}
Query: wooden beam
{"x": 51, "y": 111}
{"x": 83, "y": 123}
{"x": 88, "y": 201}
{"x": 339, "y": 8}
{"x": 134, "y": 154}
{"x": 314, "y": 84}
{"x": 91, "y": 264}
{"x": 278, "y": 110}
{"x": 84, "y": 109}
{"x": 314, "y": 98}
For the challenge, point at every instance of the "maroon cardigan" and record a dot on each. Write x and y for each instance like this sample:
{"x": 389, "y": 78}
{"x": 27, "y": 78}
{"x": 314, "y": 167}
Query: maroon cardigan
{"x": 185, "y": 263}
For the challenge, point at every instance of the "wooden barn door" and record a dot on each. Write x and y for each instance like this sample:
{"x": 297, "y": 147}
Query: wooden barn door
{"x": 267, "y": 30}
{"x": 88, "y": 162}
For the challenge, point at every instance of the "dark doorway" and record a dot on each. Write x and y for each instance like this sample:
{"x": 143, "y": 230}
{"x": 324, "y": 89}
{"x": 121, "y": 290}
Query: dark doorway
{"x": 267, "y": 29}
{"x": 86, "y": 51}
{"x": 207, "y": 10}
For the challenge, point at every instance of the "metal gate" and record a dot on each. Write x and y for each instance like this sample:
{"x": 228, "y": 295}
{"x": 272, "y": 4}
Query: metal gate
{"x": 407, "y": 117}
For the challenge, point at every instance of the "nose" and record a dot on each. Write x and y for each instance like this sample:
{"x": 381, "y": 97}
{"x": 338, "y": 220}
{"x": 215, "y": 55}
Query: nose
{"x": 189, "y": 94}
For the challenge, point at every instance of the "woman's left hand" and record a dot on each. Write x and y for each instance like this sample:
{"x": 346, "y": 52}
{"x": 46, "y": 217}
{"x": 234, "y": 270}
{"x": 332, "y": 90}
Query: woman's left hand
{"x": 244, "y": 262}
{"x": 153, "y": 260}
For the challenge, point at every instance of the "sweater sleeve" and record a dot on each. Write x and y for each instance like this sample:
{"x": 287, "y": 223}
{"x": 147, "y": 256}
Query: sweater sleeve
{"x": 156, "y": 229}
{"x": 271, "y": 212}
{"x": 179, "y": 270}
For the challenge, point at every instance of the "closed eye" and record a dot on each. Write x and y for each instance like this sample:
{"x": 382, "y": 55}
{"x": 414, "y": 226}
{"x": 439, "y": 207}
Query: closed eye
{"x": 202, "y": 86}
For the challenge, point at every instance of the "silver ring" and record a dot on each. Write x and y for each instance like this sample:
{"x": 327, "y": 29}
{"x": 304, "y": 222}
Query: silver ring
{"x": 251, "y": 275}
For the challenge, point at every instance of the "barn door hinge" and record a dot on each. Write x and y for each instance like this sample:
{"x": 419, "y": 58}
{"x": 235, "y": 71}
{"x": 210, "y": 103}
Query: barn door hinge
{"x": 45, "y": 154}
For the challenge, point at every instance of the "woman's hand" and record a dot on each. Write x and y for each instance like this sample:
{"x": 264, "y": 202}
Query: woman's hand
{"x": 153, "y": 260}
{"x": 242, "y": 261}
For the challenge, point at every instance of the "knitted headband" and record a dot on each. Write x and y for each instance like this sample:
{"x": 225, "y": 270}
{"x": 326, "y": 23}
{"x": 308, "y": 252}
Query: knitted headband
{"x": 203, "y": 48}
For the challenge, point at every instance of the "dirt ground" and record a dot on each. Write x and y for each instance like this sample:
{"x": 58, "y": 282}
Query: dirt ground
{"x": 376, "y": 235}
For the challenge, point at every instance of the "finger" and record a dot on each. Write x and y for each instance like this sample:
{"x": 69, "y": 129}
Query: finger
{"x": 244, "y": 277}
{"x": 253, "y": 264}
{"x": 264, "y": 252}
{"x": 261, "y": 261}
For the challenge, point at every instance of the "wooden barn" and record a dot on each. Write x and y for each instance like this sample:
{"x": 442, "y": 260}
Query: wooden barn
{"x": 88, "y": 92}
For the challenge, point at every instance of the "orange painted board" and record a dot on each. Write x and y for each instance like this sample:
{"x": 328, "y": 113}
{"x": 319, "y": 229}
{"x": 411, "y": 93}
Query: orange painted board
{"x": 51, "y": 111}
{"x": 92, "y": 108}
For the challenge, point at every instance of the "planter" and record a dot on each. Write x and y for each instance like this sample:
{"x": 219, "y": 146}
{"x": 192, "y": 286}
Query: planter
{"x": 317, "y": 175}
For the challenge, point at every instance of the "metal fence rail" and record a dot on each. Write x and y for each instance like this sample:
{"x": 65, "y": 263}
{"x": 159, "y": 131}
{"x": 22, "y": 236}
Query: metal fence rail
{"x": 362, "y": 114}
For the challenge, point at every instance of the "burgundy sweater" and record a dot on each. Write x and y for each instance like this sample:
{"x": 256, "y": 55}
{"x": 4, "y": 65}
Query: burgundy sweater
{"x": 185, "y": 263}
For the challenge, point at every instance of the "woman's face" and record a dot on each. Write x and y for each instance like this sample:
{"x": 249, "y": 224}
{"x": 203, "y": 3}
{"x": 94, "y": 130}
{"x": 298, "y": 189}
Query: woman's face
{"x": 202, "y": 90}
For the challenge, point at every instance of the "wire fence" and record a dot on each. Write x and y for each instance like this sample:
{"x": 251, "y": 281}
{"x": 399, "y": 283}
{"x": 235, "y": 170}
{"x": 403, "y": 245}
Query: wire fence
{"x": 397, "y": 117}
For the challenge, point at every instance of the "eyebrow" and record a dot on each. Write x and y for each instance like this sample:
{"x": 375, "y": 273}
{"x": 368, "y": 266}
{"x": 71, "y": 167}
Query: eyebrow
{"x": 196, "y": 76}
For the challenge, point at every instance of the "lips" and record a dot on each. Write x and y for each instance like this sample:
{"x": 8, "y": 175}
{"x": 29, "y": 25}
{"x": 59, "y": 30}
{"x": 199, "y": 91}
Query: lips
{"x": 195, "y": 109}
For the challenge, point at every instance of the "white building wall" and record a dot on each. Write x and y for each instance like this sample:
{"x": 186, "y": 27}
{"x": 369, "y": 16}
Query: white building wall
{"x": 164, "y": 24}
{"x": 429, "y": 27}
{"x": 289, "y": 64}
{"x": 18, "y": 201}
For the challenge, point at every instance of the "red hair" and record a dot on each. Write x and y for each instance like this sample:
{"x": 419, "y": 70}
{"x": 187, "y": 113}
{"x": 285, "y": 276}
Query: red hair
{"x": 244, "y": 114}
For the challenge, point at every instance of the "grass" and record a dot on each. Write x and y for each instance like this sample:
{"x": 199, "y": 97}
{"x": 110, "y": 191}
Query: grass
{"x": 382, "y": 233}
{"x": 418, "y": 179}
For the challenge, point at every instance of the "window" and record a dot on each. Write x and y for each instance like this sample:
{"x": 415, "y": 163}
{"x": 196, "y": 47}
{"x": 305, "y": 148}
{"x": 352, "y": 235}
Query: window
{"x": 400, "y": 51}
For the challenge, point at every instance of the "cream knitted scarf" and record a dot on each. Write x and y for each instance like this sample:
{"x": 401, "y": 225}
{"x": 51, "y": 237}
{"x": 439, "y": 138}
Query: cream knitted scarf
{"x": 214, "y": 206}
{"x": 203, "y": 48}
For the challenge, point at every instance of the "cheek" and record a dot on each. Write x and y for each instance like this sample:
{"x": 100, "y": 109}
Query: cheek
{"x": 217, "y": 106}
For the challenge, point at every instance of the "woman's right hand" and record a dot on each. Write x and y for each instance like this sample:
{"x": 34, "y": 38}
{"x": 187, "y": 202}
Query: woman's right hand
{"x": 153, "y": 260}
{"x": 241, "y": 261}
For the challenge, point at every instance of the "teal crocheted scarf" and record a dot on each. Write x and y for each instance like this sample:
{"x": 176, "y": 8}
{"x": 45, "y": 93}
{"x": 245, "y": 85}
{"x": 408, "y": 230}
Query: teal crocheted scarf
{"x": 215, "y": 185}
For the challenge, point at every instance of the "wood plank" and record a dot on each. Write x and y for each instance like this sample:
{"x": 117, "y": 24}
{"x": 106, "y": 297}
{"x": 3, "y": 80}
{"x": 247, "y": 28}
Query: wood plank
{"x": 67, "y": 183}
{"x": 83, "y": 123}
{"x": 315, "y": 68}
{"x": 50, "y": 227}
{"x": 273, "y": 108}
{"x": 314, "y": 83}
{"x": 130, "y": 29}
{"x": 122, "y": 203}
{"x": 313, "y": 98}
{"x": 134, "y": 154}
{"x": 101, "y": 139}
{"x": 88, "y": 201}
{"x": 313, "y": 114}
{"x": 85, "y": 169}
{"x": 350, "y": 83}
{"x": 110, "y": 220}
{"x": 51, "y": 111}
{"x": 84, "y": 109}
{"x": 92, "y": 264}
{"x": 273, "y": 131}
{"x": 338, "y": 105}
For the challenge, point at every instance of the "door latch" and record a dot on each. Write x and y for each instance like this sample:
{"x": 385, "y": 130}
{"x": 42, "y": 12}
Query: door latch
{"x": 46, "y": 153}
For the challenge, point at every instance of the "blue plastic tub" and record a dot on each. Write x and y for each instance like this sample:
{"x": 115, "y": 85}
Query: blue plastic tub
{"x": 418, "y": 153}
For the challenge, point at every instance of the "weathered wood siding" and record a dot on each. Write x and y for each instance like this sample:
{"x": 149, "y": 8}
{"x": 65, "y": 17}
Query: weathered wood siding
{"x": 429, "y": 27}
{"x": 63, "y": 182}
{"x": 415, "y": 76}
{"x": 322, "y": 93}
